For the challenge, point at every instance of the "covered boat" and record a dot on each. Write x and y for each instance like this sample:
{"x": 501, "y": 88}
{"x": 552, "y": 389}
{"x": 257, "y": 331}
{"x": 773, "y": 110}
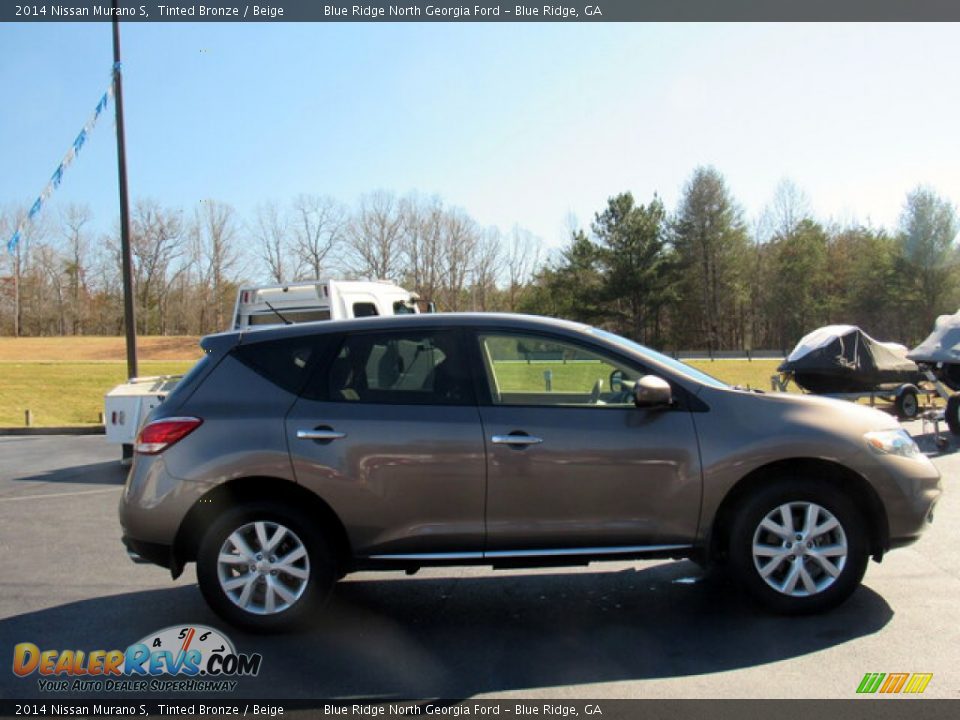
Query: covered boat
{"x": 844, "y": 359}
{"x": 941, "y": 350}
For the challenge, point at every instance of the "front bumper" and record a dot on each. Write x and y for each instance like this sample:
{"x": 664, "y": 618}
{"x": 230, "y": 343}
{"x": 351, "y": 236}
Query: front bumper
{"x": 909, "y": 490}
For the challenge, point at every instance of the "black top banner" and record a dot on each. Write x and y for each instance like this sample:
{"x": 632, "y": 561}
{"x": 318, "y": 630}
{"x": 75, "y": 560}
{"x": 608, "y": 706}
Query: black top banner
{"x": 467, "y": 11}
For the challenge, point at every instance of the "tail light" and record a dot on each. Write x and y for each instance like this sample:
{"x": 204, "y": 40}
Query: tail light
{"x": 161, "y": 434}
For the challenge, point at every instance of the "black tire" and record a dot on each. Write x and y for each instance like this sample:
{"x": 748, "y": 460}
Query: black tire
{"x": 798, "y": 494}
{"x": 907, "y": 404}
{"x": 952, "y": 414}
{"x": 318, "y": 566}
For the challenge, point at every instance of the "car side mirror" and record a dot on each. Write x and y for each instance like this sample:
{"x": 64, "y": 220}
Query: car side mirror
{"x": 651, "y": 391}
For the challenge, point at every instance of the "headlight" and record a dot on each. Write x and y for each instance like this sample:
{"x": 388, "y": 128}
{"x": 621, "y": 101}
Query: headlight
{"x": 893, "y": 442}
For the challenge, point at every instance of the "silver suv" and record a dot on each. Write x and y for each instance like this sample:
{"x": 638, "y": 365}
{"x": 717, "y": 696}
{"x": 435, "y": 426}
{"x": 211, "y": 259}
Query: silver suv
{"x": 291, "y": 456}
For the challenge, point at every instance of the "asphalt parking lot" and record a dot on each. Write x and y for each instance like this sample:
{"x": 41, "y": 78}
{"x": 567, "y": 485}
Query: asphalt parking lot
{"x": 624, "y": 630}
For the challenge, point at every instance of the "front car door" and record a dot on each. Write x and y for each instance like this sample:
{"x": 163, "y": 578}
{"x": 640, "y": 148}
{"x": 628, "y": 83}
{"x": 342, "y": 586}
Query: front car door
{"x": 573, "y": 467}
{"x": 389, "y": 436}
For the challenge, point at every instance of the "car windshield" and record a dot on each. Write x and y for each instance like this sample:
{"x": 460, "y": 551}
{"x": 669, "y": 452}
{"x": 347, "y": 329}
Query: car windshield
{"x": 682, "y": 368}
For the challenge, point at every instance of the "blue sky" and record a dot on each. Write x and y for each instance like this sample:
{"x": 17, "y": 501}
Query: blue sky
{"x": 523, "y": 124}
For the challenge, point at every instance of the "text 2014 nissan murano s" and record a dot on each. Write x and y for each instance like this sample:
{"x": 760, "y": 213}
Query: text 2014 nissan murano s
{"x": 293, "y": 455}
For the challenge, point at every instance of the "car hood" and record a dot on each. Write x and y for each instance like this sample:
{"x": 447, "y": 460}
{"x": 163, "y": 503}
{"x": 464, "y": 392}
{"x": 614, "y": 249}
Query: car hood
{"x": 775, "y": 410}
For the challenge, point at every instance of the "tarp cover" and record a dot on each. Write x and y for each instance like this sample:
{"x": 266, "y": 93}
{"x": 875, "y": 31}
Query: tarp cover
{"x": 843, "y": 358}
{"x": 943, "y": 344}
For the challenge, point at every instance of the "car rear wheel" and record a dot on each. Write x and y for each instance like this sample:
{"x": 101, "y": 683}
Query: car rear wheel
{"x": 264, "y": 567}
{"x": 799, "y": 546}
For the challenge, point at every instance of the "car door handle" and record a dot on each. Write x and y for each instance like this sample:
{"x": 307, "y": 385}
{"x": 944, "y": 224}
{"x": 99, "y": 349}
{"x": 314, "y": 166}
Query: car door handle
{"x": 320, "y": 434}
{"x": 516, "y": 440}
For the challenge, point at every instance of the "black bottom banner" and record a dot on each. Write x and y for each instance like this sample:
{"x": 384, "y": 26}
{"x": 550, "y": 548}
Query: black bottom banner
{"x": 854, "y": 709}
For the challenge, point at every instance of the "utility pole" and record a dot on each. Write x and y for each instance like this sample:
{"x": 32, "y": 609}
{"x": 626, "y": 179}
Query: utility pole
{"x": 129, "y": 316}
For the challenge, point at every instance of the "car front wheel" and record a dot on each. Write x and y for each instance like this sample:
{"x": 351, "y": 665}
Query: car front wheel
{"x": 264, "y": 567}
{"x": 799, "y": 546}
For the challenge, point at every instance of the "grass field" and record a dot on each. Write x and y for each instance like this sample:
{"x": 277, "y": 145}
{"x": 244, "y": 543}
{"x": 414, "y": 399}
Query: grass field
{"x": 62, "y": 381}
{"x": 580, "y": 376}
{"x": 96, "y": 349}
{"x": 749, "y": 373}
{"x": 520, "y": 376}
{"x": 65, "y": 393}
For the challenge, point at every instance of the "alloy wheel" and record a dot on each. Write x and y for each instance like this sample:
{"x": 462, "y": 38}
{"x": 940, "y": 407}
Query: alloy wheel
{"x": 263, "y": 567}
{"x": 799, "y": 549}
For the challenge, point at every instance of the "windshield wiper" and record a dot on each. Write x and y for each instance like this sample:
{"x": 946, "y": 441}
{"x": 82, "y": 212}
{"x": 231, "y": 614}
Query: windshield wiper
{"x": 277, "y": 313}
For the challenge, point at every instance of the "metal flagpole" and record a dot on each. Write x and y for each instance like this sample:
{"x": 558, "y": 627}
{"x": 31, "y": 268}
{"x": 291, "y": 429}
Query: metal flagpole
{"x": 129, "y": 316}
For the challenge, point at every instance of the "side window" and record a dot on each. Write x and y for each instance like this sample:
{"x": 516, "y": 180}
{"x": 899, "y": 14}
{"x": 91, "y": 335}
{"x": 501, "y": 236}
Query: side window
{"x": 403, "y": 368}
{"x": 543, "y": 371}
{"x": 283, "y": 362}
{"x": 364, "y": 309}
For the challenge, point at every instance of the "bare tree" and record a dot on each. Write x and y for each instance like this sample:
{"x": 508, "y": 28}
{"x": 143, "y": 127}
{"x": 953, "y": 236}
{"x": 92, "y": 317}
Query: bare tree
{"x": 21, "y": 262}
{"x": 218, "y": 257}
{"x": 522, "y": 260}
{"x": 374, "y": 237}
{"x": 487, "y": 269}
{"x": 72, "y": 223}
{"x": 9, "y": 290}
{"x": 270, "y": 230}
{"x": 107, "y": 287}
{"x": 51, "y": 266}
{"x": 156, "y": 241}
{"x": 460, "y": 240}
{"x": 318, "y": 224}
{"x": 423, "y": 245}
{"x": 790, "y": 206}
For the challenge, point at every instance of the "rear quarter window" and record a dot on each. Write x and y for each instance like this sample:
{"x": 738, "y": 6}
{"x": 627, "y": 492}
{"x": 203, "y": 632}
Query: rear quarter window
{"x": 187, "y": 383}
{"x": 286, "y": 363}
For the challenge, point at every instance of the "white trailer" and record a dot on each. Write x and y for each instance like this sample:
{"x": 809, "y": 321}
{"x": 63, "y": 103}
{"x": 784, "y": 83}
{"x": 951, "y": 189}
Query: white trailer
{"x": 128, "y": 405}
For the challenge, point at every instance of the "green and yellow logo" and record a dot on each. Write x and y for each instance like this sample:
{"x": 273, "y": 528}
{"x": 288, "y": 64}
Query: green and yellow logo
{"x": 890, "y": 683}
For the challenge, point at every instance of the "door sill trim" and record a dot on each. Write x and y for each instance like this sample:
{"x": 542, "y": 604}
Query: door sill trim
{"x": 544, "y": 552}
{"x": 562, "y": 552}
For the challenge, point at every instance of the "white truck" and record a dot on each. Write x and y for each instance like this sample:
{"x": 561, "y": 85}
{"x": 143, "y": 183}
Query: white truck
{"x": 320, "y": 300}
{"x": 128, "y": 405}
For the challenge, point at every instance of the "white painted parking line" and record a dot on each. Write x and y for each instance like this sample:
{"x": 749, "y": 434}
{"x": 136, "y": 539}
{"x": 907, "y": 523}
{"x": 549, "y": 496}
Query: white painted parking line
{"x": 53, "y": 495}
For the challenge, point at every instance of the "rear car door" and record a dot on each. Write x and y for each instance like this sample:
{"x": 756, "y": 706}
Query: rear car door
{"x": 388, "y": 434}
{"x": 572, "y": 465}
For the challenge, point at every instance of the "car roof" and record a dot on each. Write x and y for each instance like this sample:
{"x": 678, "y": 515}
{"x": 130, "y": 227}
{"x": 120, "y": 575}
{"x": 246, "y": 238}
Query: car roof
{"x": 394, "y": 322}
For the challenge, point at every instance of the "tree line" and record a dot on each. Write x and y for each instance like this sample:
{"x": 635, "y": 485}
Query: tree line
{"x": 697, "y": 277}
{"x": 187, "y": 267}
{"x": 702, "y": 278}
